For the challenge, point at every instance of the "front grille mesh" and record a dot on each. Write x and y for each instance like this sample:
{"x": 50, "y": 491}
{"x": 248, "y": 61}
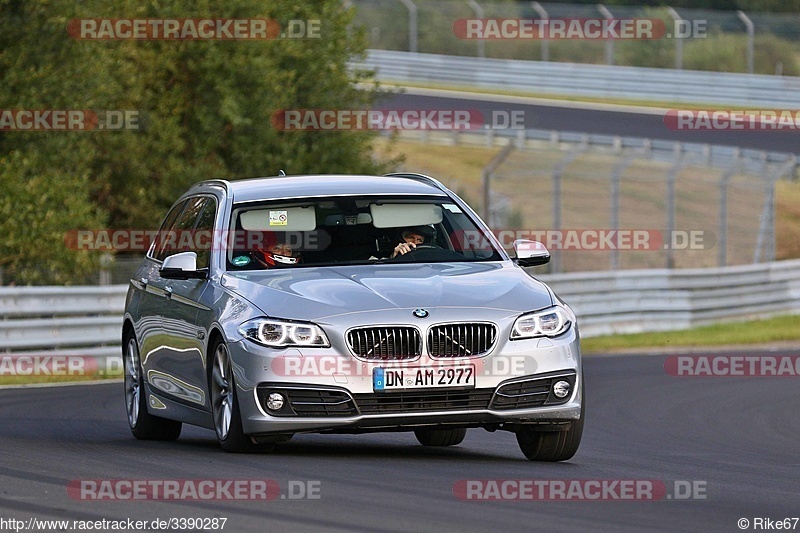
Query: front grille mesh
{"x": 461, "y": 340}
{"x": 423, "y": 401}
{"x": 388, "y": 343}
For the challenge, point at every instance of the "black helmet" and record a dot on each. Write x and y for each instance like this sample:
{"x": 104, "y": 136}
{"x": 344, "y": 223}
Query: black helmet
{"x": 426, "y": 231}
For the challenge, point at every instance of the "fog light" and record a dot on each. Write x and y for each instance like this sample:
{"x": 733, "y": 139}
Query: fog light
{"x": 561, "y": 389}
{"x": 275, "y": 401}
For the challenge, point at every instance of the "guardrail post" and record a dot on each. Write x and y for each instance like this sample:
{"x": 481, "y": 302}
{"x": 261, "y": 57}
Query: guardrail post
{"x": 412, "y": 25}
{"x": 106, "y": 260}
{"x": 609, "y": 42}
{"x": 678, "y": 40}
{"x": 544, "y": 41}
{"x": 751, "y": 31}
{"x": 481, "y": 44}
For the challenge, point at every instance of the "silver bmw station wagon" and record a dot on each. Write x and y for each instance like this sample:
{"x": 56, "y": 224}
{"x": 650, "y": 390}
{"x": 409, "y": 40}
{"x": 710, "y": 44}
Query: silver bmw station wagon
{"x": 346, "y": 304}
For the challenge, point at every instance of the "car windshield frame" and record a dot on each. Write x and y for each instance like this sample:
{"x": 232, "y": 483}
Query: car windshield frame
{"x": 345, "y": 233}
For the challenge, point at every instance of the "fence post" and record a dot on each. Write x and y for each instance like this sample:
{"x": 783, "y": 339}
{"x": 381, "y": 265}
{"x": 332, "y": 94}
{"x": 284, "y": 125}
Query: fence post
{"x": 678, "y": 40}
{"x": 616, "y": 177}
{"x": 480, "y": 43}
{"x": 609, "y": 42}
{"x": 558, "y": 172}
{"x": 672, "y": 176}
{"x": 545, "y": 42}
{"x": 748, "y": 24}
{"x": 412, "y": 25}
{"x": 722, "y": 252}
{"x": 486, "y": 178}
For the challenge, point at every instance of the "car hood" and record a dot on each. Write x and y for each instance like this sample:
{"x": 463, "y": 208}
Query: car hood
{"x": 317, "y": 293}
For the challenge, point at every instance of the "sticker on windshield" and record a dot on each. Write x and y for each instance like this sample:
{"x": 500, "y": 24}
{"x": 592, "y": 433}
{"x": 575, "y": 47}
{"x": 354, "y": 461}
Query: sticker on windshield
{"x": 278, "y": 218}
{"x": 241, "y": 260}
{"x": 453, "y": 208}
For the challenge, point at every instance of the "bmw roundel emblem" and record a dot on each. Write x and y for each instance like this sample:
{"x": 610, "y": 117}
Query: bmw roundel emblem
{"x": 420, "y": 313}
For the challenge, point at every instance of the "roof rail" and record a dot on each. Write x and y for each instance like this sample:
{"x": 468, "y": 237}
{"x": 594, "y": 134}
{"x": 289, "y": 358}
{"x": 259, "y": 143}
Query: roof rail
{"x": 418, "y": 177}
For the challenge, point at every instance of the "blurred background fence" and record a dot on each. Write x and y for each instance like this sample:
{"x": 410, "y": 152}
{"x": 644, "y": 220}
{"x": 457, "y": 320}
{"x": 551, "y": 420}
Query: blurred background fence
{"x": 730, "y": 41}
{"x": 694, "y": 205}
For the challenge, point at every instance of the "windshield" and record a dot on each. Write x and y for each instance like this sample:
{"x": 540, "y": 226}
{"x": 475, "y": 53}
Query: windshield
{"x": 352, "y": 231}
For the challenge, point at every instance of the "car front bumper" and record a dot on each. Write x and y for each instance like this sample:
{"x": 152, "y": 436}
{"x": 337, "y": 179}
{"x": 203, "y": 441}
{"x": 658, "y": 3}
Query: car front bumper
{"x": 339, "y": 394}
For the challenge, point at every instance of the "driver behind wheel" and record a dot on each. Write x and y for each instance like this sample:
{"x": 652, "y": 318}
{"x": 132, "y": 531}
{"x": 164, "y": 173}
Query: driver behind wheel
{"x": 413, "y": 237}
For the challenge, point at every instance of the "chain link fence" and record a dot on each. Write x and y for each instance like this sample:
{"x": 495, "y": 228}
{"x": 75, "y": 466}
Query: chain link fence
{"x": 610, "y": 203}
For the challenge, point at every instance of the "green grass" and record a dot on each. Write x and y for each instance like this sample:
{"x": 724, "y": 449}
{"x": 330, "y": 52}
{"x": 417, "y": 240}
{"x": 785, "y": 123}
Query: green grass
{"x": 566, "y": 98}
{"x": 28, "y": 380}
{"x": 778, "y": 329}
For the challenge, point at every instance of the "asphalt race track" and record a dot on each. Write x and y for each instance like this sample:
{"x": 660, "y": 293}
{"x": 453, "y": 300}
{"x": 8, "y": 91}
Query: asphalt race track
{"x": 585, "y": 119}
{"x": 737, "y": 440}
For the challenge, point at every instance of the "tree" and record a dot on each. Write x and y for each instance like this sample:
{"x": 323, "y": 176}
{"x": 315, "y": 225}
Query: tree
{"x": 204, "y": 107}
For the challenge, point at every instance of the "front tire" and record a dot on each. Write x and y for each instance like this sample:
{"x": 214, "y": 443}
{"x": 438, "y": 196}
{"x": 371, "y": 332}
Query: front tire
{"x": 552, "y": 445}
{"x": 143, "y": 425}
{"x": 225, "y": 406}
{"x": 440, "y": 437}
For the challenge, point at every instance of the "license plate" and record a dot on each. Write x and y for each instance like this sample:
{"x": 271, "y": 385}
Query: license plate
{"x": 393, "y": 379}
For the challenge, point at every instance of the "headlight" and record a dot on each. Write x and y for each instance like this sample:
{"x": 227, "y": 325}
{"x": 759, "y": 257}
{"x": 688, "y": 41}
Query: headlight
{"x": 280, "y": 333}
{"x": 548, "y": 323}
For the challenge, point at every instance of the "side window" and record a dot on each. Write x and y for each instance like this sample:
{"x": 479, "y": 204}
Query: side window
{"x": 204, "y": 232}
{"x": 161, "y": 246}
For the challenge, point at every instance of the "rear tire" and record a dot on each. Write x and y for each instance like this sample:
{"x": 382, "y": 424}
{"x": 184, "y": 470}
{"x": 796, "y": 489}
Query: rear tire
{"x": 144, "y": 425}
{"x": 440, "y": 437}
{"x": 552, "y": 445}
{"x": 225, "y": 405}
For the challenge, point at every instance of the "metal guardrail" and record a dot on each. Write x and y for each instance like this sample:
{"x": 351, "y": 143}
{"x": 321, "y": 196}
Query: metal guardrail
{"x": 62, "y": 322}
{"x": 598, "y": 81}
{"x": 86, "y": 321}
{"x": 633, "y": 301}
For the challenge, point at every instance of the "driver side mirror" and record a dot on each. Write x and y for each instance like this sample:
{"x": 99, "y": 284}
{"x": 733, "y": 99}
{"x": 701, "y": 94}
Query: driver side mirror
{"x": 531, "y": 253}
{"x": 182, "y": 266}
